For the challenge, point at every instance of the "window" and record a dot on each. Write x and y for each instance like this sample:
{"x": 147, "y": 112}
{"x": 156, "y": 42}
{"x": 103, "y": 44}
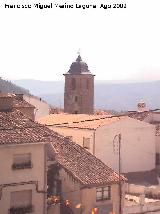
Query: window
{"x": 157, "y": 159}
{"x": 87, "y": 83}
{"x": 80, "y": 100}
{"x": 103, "y": 193}
{"x": 73, "y": 83}
{"x": 76, "y": 99}
{"x": 22, "y": 161}
{"x": 21, "y": 202}
{"x": 86, "y": 143}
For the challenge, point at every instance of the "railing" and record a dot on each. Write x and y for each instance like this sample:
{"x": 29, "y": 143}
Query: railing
{"x": 26, "y": 165}
{"x": 21, "y": 210}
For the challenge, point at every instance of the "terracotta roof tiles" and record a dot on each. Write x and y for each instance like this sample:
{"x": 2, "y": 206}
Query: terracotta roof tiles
{"x": 139, "y": 115}
{"x": 82, "y": 121}
{"x": 21, "y": 103}
{"x": 85, "y": 167}
{"x": 15, "y": 128}
{"x": 93, "y": 124}
{"x": 63, "y": 118}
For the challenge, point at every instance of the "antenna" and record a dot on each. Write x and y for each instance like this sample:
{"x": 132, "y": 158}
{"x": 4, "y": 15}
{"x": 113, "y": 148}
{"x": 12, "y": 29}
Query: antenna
{"x": 117, "y": 150}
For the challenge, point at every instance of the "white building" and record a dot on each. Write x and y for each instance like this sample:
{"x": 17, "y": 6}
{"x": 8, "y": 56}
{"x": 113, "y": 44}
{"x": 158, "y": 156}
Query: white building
{"x": 97, "y": 135}
{"x": 152, "y": 117}
{"x": 29, "y": 149}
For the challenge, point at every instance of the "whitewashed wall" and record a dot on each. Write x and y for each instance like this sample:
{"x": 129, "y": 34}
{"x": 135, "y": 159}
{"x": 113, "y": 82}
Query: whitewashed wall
{"x": 137, "y": 145}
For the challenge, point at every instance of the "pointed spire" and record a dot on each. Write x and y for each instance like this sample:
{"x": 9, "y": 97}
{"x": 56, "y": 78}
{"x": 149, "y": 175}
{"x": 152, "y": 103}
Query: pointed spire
{"x": 78, "y": 58}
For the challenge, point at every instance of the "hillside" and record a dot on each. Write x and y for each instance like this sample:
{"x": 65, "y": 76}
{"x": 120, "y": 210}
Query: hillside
{"x": 108, "y": 95}
{"x": 9, "y": 87}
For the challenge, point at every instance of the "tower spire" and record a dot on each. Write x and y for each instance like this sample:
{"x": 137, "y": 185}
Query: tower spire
{"x": 79, "y": 51}
{"x": 79, "y": 59}
{"x": 79, "y": 88}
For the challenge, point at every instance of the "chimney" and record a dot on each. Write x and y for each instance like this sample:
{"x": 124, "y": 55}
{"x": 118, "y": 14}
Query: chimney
{"x": 6, "y": 101}
{"x": 19, "y": 97}
{"x": 141, "y": 106}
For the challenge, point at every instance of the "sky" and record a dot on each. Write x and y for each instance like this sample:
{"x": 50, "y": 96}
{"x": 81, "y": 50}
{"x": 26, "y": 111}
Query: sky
{"x": 116, "y": 43}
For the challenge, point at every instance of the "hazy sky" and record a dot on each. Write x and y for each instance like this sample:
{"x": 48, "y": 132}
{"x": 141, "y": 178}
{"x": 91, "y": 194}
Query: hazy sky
{"x": 115, "y": 43}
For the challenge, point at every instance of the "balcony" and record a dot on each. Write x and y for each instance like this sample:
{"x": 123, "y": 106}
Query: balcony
{"x": 21, "y": 210}
{"x": 27, "y": 165}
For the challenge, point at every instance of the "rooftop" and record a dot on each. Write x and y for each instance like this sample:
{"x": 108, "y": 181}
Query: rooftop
{"x": 143, "y": 114}
{"x": 19, "y": 102}
{"x": 84, "y": 167}
{"x": 64, "y": 118}
{"x": 145, "y": 178}
{"x": 139, "y": 115}
{"x": 82, "y": 121}
{"x": 6, "y": 94}
{"x": 78, "y": 67}
{"x": 157, "y": 127}
{"x": 15, "y": 128}
{"x": 94, "y": 124}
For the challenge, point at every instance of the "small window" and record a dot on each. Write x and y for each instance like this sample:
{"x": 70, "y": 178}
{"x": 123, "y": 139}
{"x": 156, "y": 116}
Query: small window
{"x": 73, "y": 83}
{"x": 86, "y": 143}
{"x": 80, "y": 100}
{"x": 76, "y": 99}
{"x": 22, "y": 161}
{"x": 21, "y": 202}
{"x": 157, "y": 159}
{"x": 103, "y": 193}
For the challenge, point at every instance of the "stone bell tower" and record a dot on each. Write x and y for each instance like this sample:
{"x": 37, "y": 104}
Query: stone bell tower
{"x": 79, "y": 89}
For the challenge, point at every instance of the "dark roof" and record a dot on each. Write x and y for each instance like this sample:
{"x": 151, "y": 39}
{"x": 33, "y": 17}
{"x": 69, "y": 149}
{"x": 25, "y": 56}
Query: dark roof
{"x": 79, "y": 67}
{"x": 139, "y": 115}
{"x": 15, "y": 128}
{"x": 146, "y": 178}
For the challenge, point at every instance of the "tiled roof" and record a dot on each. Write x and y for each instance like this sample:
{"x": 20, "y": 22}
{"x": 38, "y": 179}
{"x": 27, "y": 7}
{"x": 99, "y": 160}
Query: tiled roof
{"x": 84, "y": 166}
{"x": 6, "y": 94}
{"x": 63, "y": 118}
{"x": 82, "y": 121}
{"x": 142, "y": 115}
{"x": 21, "y": 103}
{"x": 15, "y": 128}
{"x": 139, "y": 115}
{"x": 157, "y": 128}
{"x": 94, "y": 124}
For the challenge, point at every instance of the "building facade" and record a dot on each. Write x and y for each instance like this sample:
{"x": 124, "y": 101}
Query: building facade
{"x": 86, "y": 182}
{"x": 152, "y": 117}
{"x": 22, "y": 179}
{"x": 42, "y": 108}
{"x": 79, "y": 89}
{"x": 83, "y": 199}
{"x": 28, "y": 150}
{"x": 97, "y": 136}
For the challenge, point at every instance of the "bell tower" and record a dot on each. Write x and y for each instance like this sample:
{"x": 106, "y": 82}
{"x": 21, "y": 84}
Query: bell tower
{"x": 79, "y": 89}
